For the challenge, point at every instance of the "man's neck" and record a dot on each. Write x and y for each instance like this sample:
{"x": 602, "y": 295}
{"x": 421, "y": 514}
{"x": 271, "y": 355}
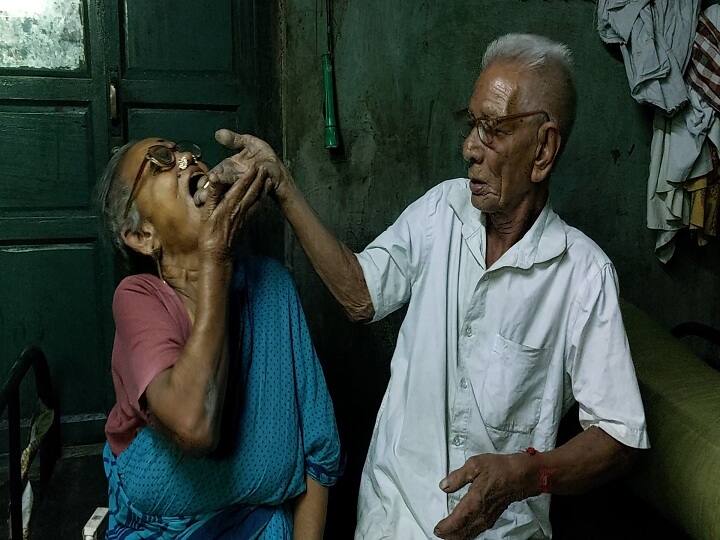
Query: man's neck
{"x": 505, "y": 229}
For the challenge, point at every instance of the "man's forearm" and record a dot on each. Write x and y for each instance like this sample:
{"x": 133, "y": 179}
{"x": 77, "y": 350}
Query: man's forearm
{"x": 585, "y": 461}
{"x": 310, "y": 512}
{"x": 334, "y": 262}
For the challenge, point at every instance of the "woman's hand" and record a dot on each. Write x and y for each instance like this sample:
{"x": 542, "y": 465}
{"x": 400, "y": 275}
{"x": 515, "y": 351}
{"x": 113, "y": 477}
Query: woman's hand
{"x": 225, "y": 210}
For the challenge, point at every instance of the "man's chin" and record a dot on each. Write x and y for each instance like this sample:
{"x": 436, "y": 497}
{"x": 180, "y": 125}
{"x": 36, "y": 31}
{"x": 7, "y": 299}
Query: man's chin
{"x": 484, "y": 203}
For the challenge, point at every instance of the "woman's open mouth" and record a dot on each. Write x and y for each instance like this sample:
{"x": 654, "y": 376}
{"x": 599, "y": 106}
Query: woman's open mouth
{"x": 196, "y": 186}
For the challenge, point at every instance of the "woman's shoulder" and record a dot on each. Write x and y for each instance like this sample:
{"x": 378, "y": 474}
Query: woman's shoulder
{"x": 137, "y": 286}
{"x": 139, "y": 283}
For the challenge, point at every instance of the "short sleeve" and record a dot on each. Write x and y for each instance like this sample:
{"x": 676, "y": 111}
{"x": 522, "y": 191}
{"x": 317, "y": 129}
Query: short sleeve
{"x": 148, "y": 337}
{"x": 392, "y": 262}
{"x": 600, "y": 366}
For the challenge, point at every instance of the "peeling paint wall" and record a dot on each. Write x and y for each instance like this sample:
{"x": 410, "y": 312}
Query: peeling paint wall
{"x": 403, "y": 70}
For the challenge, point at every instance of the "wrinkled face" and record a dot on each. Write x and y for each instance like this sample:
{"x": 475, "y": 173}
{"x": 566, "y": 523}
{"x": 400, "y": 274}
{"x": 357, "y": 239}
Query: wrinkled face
{"x": 500, "y": 174}
{"x": 164, "y": 197}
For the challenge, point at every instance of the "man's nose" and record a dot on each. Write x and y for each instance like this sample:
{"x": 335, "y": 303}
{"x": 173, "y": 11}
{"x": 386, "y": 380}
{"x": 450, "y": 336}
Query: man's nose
{"x": 472, "y": 148}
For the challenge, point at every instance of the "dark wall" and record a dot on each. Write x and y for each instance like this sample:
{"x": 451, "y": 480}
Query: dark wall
{"x": 403, "y": 70}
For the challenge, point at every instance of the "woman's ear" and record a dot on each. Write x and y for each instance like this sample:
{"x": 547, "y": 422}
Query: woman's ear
{"x": 142, "y": 240}
{"x": 548, "y": 146}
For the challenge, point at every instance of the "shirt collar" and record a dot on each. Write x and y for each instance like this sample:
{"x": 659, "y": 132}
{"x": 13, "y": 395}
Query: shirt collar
{"x": 545, "y": 240}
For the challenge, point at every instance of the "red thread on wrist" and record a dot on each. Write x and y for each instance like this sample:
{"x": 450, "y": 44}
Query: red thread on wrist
{"x": 544, "y": 474}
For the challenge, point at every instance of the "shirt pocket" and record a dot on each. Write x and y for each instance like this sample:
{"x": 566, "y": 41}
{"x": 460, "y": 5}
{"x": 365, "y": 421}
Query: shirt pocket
{"x": 513, "y": 386}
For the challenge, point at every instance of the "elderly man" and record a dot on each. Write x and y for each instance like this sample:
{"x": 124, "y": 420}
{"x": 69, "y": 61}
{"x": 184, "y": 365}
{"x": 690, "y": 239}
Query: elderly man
{"x": 512, "y": 316}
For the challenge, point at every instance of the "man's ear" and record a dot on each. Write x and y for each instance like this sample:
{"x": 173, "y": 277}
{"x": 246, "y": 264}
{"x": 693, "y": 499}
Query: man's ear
{"x": 548, "y": 146}
{"x": 142, "y": 240}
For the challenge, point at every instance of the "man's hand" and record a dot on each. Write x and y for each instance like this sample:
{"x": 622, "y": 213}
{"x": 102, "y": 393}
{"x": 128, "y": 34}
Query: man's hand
{"x": 223, "y": 175}
{"x": 496, "y": 480}
{"x": 257, "y": 154}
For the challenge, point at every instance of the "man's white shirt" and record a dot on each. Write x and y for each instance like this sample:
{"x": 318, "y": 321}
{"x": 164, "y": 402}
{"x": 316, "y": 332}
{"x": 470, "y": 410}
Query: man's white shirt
{"x": 487, "y": 359}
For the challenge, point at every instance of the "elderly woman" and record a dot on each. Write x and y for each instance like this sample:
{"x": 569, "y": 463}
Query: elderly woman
{"x": 223, "y": 427}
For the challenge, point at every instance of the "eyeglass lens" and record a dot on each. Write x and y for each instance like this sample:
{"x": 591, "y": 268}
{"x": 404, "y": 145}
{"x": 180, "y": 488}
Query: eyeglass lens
{"x": 186, "y": 146}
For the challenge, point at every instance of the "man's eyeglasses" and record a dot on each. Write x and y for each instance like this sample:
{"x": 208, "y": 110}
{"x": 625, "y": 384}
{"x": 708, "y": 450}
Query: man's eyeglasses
{"x": 163, "y": 158}
{"x": 487, "y": 127}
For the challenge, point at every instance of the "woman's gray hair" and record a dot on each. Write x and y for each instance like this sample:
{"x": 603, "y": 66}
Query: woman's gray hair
{"x": 552, "y": 61}
{"x": 112, "y": 196}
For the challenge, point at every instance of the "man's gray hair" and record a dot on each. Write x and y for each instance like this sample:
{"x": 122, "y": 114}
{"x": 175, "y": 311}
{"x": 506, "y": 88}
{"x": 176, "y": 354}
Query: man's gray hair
{"x": 550, "y": 59}
{"x": 112, "y": 196}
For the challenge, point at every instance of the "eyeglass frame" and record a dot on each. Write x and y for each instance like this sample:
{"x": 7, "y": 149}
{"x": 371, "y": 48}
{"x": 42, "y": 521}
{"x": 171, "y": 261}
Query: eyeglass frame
{"x": 163, "y": 166}
{"x": 498, "y": 120}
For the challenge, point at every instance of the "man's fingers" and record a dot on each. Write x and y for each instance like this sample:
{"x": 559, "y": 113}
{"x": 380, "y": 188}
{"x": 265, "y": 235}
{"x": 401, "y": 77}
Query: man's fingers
{"x": 462, "y": 522}
{"x": 255, "y": 191}
{"x": 230, "y": 139}
{"x": 251, "y": 196}
{"x": 229, "y": 169}
{"x": 242, "y": 141}
{"x": 234, "y": 196}
{"x": 242, "y": 208}
{"x": 458, "y": 478}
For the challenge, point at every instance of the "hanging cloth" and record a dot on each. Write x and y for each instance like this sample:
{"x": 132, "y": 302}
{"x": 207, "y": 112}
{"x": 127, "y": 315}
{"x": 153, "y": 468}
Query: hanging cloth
{"x": 704, "y": 70}
{"x": 655, "y": 37}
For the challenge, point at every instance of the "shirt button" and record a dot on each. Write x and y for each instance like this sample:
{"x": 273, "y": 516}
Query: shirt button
{"x": 457, "y": 440}
{"x": 468, "y": 331}
{"x": 463, "y": 383}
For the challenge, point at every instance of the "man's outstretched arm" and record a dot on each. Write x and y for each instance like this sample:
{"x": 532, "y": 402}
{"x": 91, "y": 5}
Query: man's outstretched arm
{"x": 334, "y": 262}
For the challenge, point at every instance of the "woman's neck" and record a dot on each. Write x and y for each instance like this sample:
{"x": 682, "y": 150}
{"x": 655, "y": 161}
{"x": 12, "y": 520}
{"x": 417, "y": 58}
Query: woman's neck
{"x": 181, "y": 273}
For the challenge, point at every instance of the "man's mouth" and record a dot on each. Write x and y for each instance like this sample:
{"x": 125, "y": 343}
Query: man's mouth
{"x": 477, "y": 186}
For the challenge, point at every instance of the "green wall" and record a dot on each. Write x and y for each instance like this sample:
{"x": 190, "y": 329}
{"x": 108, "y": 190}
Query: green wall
{"x": 403, "y": 70}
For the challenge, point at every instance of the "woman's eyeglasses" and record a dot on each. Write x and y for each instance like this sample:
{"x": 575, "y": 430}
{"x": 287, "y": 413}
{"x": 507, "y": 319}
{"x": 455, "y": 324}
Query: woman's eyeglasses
{"x": 163, "y": 157}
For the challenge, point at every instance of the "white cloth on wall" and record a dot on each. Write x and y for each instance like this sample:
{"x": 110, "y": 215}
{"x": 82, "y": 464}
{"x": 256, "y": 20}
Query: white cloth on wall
{"x": 655, "y": 38}
{"x": 679, "y": 151}
{"x": 487, "y": 359}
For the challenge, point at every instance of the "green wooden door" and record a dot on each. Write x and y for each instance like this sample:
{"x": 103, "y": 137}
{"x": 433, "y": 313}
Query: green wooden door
{"x": 185, "y": 69}
{"x": 180, "y": 70}
{"x": 57, "y": 273}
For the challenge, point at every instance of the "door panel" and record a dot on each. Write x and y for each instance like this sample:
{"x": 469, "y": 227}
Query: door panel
{"x": 53, "y": 296}
{"x": 187, "y": 69}
{"x": 60, "y": 288}
{"x": 197, "y": 126}
{"x": 58, "y": 277}
{"x": 48, "y": 158}
{"x": 179, "y": 39}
